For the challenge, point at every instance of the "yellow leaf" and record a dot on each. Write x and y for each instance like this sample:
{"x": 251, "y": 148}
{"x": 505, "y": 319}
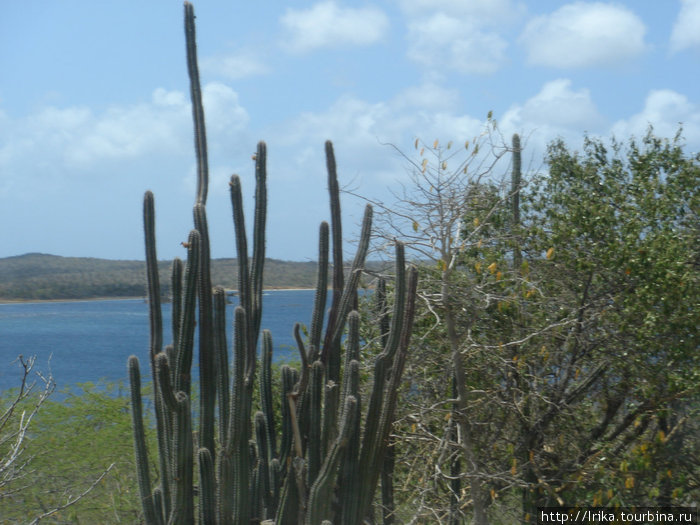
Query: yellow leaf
{"x": 492, "y": 267}
{"x": 477, "y": 267}
{"x": 532, "y": 455}
{"x": 476, "y": 222}
{"x": 413, "y": 427}
{"x": 425, "y": 163}
{"x": 610, "y": 493}
{"x": 422, "y": 150}
{"x": 466, "y": 144}
{"x": 444, "y": 165}
{"x": 499, "y": 276}
{"x": 441, "y": 264}
{"x": 629, "y": 482}
{"x": 415, "y": 226}
{"x": 661, "y": 436}
{"x": 514, "y": 467}
{"x": 669, "y": 473}
{"x": 435, "y": 144}
{"x": 493, "y": 494}
{"x": 550, "y": 253}
{"x": 448, "y": 416}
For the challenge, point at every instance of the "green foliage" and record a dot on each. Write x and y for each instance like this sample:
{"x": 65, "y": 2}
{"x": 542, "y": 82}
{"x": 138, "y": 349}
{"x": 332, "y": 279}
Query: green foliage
{"x": 72, "y": 440}
{"x": 580, "y": 359}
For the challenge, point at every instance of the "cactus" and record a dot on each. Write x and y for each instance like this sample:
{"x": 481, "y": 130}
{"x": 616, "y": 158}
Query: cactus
{"x": 321, "y": 466}
{"x": 516, "y": 177}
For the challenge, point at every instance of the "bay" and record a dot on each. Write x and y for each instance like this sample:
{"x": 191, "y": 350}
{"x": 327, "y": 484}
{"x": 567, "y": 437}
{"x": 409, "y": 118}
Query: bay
{"x": 89, "y": 341}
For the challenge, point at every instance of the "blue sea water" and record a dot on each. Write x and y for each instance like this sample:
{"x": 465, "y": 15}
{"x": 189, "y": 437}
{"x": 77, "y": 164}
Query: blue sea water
{"x": 87, "y": 341}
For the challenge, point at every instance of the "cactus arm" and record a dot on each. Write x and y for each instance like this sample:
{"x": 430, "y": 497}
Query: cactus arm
{"x": 263, "y": 467}
{"x": 183, "y": 356}
{"x": 156, "y": 337}
{"x": 200, "y": 136}
{"x": 140, "y": 449}
{"x": 241, "y": 242}
{"x": 154, "y": 311}
{"x": 256, "y": 272}
{"x": 221, "y": 359}
{"x": 349, "y": 483}
{"x": 337, "y": 239}
{"x": 516, "y": 177}
{"x": 374, "y": 445}
{"x": 183, "y": 464}
{"x": 266, "y": 393}
{"x": 207, "y": 375}
{"x": 176, "y": 299}
{"x": 315, "y": 411}
{"x": 239, "y": 425}
{"x": 321, "y": 292}
{"x": 207, "y": 491}
{"x": 321, "y": 493}
{"x": 349, "y": 293}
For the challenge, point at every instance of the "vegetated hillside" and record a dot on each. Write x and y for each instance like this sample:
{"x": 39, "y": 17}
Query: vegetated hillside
{"x": 40, "y": 276}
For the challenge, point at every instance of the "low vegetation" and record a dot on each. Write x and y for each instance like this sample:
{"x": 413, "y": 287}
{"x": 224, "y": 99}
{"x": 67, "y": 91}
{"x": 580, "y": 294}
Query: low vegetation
{"x": 36, "y": 276}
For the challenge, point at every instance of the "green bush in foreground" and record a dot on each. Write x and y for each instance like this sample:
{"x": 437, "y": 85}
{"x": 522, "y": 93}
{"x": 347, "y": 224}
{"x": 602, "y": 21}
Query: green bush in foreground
{"x": 71, "y": 442}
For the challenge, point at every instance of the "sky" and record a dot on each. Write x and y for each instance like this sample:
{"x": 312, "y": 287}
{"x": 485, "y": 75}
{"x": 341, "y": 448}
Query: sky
{"x": 95, "y": 110}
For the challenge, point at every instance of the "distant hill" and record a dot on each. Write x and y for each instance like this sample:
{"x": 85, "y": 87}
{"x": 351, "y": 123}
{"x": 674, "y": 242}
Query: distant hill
{"x": 39, "y": 276}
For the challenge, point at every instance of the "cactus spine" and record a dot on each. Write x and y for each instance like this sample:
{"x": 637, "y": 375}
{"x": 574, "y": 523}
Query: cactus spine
{"x": 321, "y": 467}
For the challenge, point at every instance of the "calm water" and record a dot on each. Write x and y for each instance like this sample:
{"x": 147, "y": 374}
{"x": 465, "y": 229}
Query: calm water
{"x": 91, "y": 340}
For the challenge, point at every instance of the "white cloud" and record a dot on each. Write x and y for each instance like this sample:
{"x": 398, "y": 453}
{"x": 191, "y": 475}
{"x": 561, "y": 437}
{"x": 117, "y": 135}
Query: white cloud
{"x": 665, "y": 110}
{"x": 557, "y": 106}
{"x": 427, "y": 96}
{"x": 557, "y": 111}
{"x": 77, "y": 139}
{"x": 686, "y": 30}
{"x": 584, "y": 35}
{"x": 443, "y": 41}
{"x": 493, "y": 12}
{"x": 327, "y": 24}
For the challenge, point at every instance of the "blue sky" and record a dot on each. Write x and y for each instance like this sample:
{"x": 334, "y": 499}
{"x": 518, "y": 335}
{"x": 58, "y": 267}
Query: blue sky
{"x": 94, "y": 103}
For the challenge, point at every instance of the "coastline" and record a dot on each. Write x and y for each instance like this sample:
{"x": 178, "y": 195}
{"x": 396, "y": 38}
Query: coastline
{"x": 4, "y": 300}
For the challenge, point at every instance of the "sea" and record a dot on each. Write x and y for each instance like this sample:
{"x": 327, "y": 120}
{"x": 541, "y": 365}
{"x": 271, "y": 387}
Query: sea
{"x": 90, "y": 341}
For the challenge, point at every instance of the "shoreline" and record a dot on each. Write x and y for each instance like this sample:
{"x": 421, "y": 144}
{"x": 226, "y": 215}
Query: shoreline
{"x": 120, "y": 298}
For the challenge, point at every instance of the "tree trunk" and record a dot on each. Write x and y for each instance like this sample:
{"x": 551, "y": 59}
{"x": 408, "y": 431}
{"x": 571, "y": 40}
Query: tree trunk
{"x": 472, "y": 465}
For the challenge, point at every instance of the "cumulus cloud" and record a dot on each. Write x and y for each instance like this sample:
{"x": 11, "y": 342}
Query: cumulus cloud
{"x": 459, "y": 35}
{"x": 557, "y": 111}
{"x": 557, "y": 106}
{"x": 665, "y": 110}
{"x": 582, "y": 34}
{"x": 686, "y": 30}
{"x": 327, "y": 24}
{"x": 444, "y": 41}
{"x": 77, "y": 139}
{"x": 493, "y": 12}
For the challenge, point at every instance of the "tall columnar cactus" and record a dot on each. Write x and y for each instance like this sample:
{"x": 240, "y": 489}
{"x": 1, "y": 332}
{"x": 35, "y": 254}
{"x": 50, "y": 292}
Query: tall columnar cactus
{"x": 516, "y": 177}
{"x": 321, "y": 466}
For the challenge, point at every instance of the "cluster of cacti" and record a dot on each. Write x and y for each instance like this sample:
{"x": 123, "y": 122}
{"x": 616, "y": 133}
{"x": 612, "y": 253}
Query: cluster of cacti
{"x": 313, "y": 462}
